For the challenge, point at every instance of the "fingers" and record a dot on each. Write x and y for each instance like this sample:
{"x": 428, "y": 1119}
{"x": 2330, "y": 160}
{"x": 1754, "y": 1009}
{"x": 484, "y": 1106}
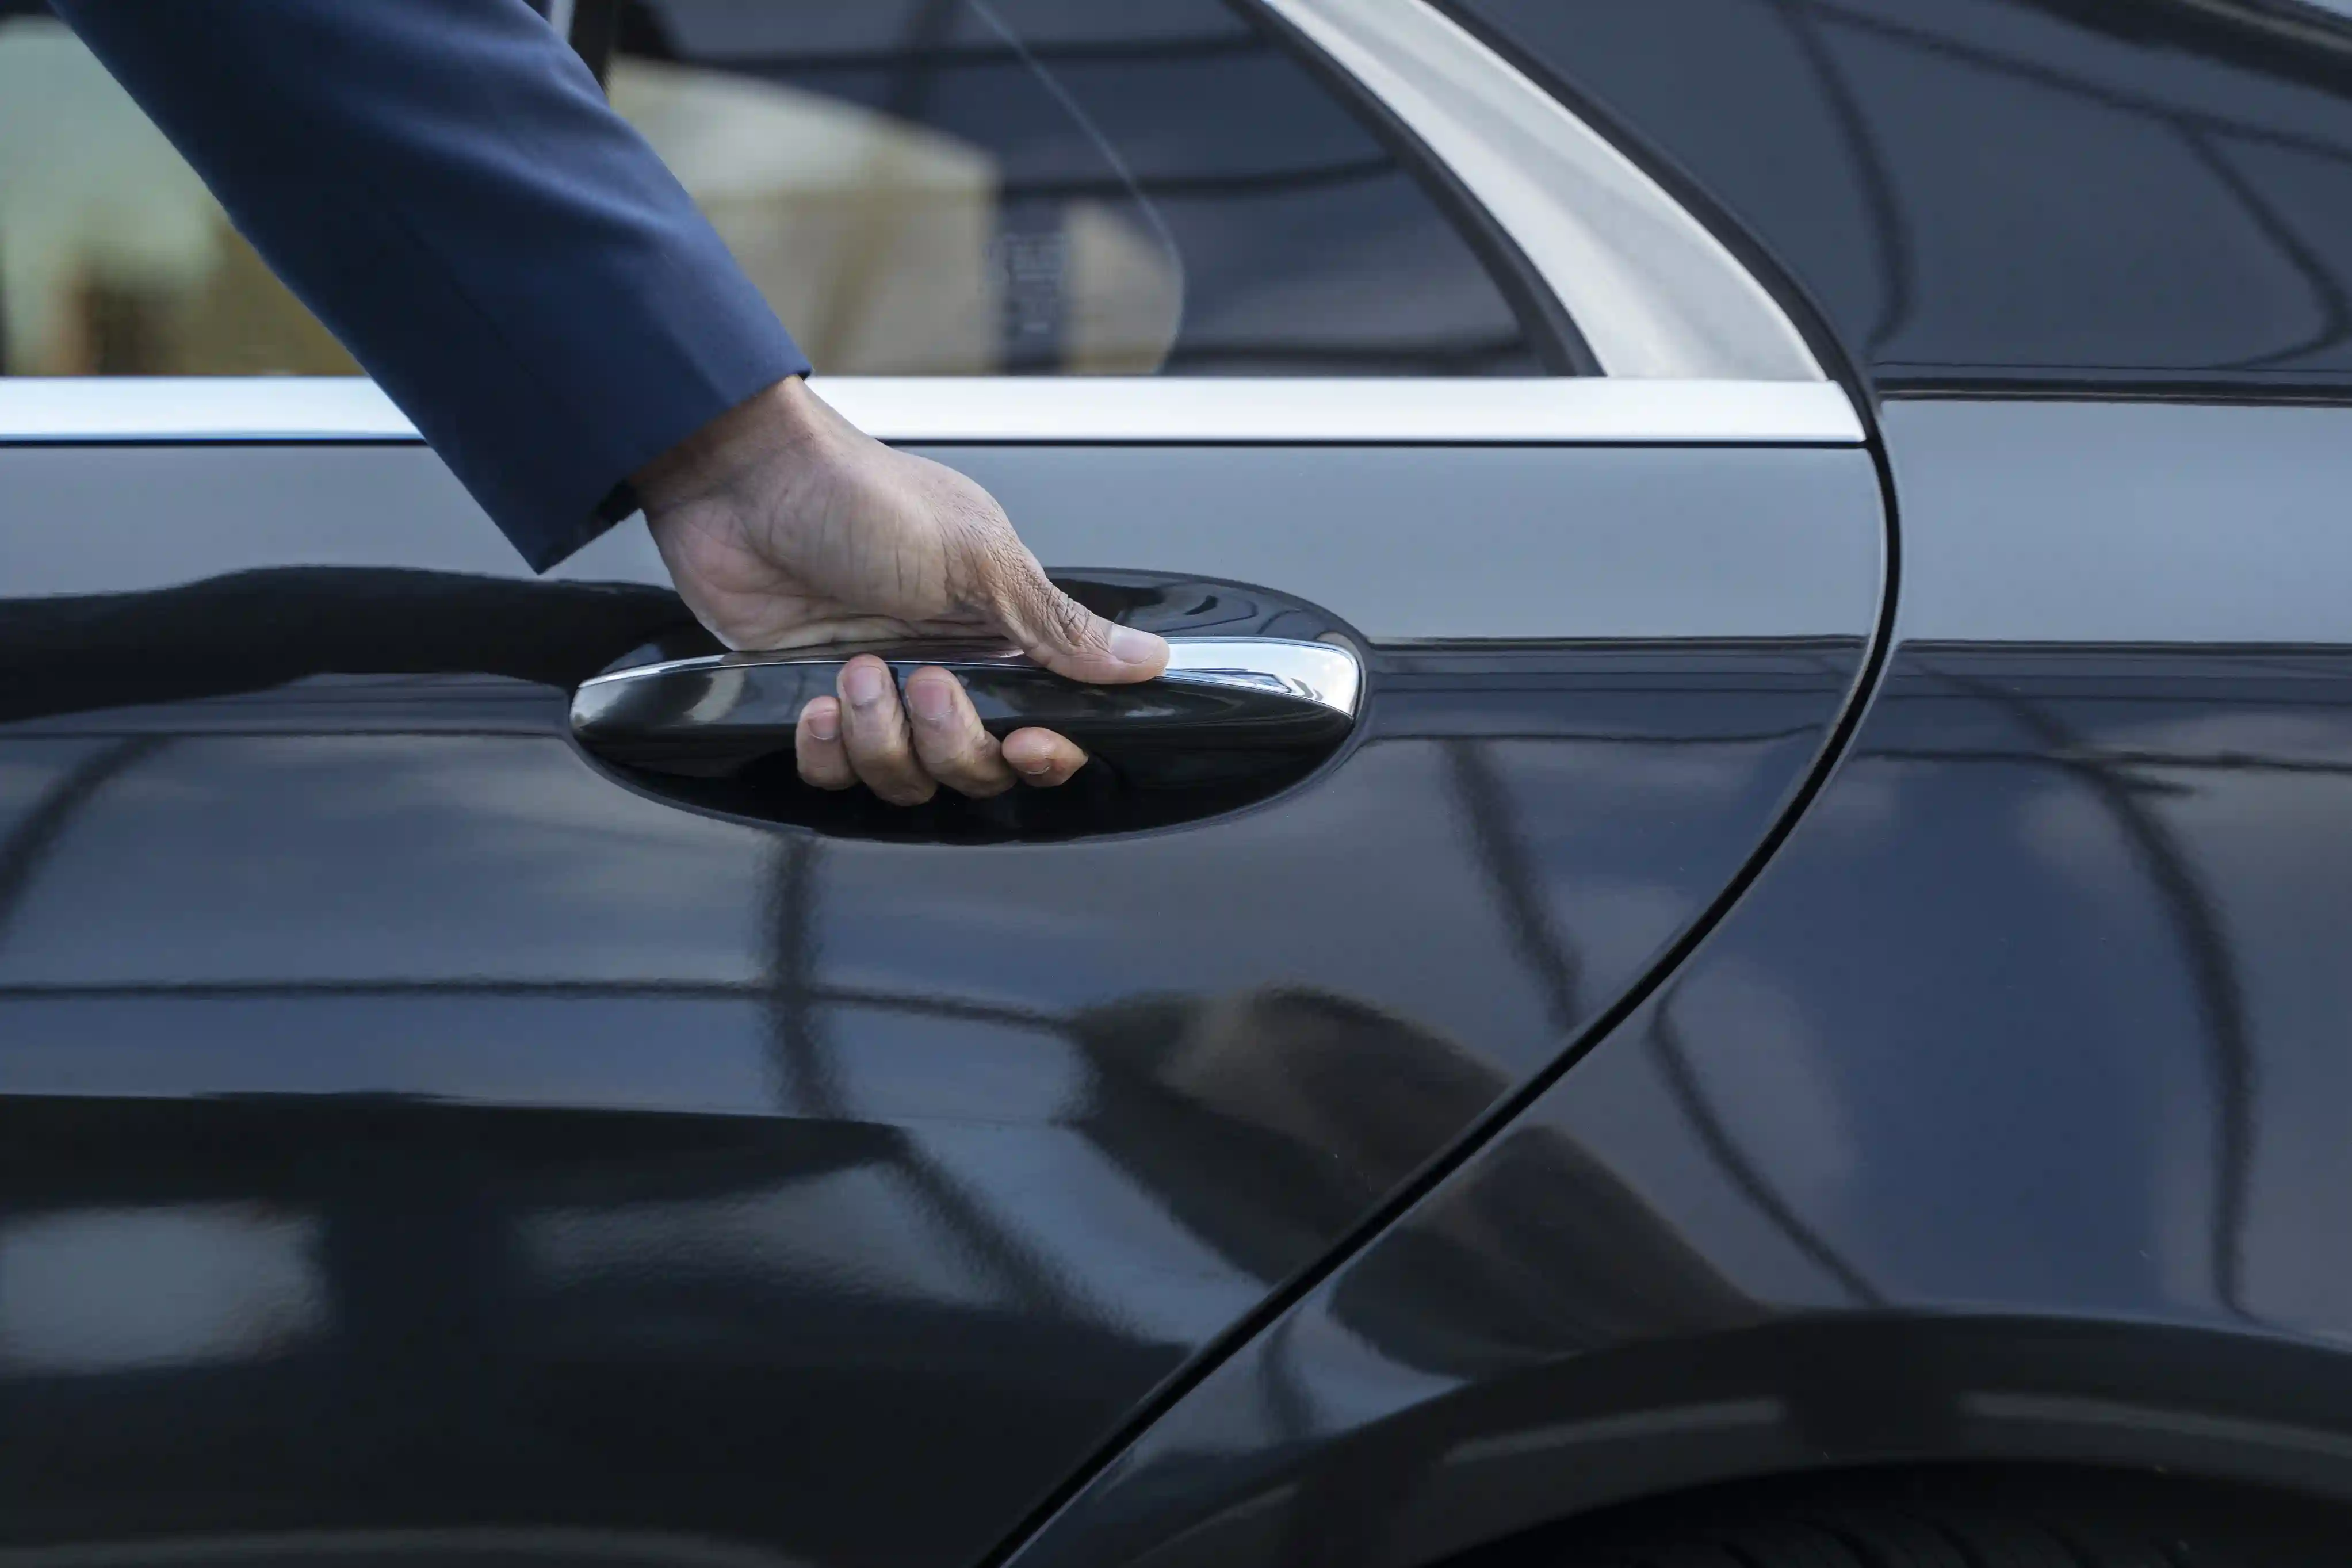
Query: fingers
{"x": 1060, "y": 633}
{"x": 1042, "y": 758}
{"x": 949, "y": 741}
{"x": 874, "y": 733}
{"x": 816, "y": 745}
{"x": 903, "y": 750}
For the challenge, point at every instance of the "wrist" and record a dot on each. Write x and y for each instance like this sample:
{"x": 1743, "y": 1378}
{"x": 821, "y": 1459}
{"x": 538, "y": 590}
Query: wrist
{"x": 738, "y": 452}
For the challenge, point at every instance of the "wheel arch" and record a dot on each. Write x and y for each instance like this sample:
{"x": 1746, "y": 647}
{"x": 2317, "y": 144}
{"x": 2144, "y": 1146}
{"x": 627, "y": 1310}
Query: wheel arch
{"x": 1850, "y": 1391}
{"x": 1496, "y": 1458}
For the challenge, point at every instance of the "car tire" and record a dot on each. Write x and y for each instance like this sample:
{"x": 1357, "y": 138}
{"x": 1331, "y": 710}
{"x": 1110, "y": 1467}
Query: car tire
{"x": 1945, "y": 1519}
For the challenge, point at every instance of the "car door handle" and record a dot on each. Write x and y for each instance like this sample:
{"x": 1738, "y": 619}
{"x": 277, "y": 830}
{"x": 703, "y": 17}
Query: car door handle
{"x": 1225, "y": 705}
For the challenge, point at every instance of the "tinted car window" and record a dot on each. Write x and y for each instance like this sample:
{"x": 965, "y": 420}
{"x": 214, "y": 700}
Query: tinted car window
{"x": 942, "y": 186}
{"x": 920, "y": 186}
{"x": 1982, "y": 192}
{"x": 113, "y": 258}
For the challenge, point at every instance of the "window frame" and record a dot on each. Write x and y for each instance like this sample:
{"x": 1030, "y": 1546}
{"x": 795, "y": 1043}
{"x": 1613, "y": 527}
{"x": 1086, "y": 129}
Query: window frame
{"x": 1691, "y": 347}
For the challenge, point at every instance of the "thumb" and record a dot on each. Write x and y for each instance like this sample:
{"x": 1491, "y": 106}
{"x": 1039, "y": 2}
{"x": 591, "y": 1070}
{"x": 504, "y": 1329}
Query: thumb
{"x": 1065, "y": 636}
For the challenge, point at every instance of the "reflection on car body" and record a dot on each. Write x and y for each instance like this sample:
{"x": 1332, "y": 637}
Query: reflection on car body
{"x": 1818, "y": 949}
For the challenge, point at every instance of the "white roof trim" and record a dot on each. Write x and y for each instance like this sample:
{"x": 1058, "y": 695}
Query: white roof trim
{"x": 1025, "y": 410}
{"x": 1650, "y": 289}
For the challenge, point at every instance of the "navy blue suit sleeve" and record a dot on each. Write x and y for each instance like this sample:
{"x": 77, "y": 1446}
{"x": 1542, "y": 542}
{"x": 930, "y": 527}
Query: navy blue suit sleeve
{"x": 443, "y": 184}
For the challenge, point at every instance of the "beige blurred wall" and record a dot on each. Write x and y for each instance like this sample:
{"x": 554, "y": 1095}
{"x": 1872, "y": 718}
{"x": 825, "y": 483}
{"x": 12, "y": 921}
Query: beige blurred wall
{"x": 876, "y": 241}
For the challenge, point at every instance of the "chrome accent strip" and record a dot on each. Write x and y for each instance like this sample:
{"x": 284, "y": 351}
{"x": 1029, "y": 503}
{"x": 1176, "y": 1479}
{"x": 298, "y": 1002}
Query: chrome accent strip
{"x": 175, "y": 408}
{"x": 1652, "y": 291}
{"x": 1013, "y": 410}
{"x": 1326, "y": 674}
{"x": 1268, "y": 410}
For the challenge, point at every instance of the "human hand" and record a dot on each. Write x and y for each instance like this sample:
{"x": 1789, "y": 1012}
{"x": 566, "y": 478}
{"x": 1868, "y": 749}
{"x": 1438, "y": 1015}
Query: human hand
{"x": 783, "y": 525}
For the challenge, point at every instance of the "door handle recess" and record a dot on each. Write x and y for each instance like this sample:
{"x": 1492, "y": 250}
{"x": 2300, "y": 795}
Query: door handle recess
{"x": 1225, "y": 706}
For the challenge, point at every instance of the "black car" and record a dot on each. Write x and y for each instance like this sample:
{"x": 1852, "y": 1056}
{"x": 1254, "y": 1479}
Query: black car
{"x": 1732, "y": 945}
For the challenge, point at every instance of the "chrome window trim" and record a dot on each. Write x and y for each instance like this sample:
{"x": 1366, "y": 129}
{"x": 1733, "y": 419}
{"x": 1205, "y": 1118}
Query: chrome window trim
{"x": 1007, "y": 410}
{"x": 1651, "y": 288}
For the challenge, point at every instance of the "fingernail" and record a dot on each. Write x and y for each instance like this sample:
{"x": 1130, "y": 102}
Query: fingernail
{"x": 930, "y": 699}
{"x": 866, "y": 683}
{"x": 825, "y": 723}
{"x": 1033, "y": 769}
{"x": 1129, "y": 646}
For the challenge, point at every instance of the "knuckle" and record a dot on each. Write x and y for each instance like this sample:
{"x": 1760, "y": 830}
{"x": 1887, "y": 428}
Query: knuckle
{"x": 967, "y": 762}
{"x": 1058, "y": 618}
{"x": 896, "y": 776}
{"x": 949, "y": 754}
{"x": 1073, "y": 621}
{"x": 968, "y": 770}
{"x": 985, "y": 556}
{"x": 1015, "y": 575}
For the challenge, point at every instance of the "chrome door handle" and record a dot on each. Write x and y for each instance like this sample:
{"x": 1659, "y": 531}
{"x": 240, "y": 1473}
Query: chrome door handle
{"x": 1325, "y": 674}
{"x": 1263, "y": 702}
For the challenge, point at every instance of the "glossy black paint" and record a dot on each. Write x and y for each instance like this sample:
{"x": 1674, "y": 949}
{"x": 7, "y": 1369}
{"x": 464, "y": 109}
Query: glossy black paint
{"x": 1404, "y": 544}
{"x": 2003, "y": 1118}
{"x": 404, "y": 1126}
{"x": 408, "y": 1126}
{"x": 2000, "y": 193}
{"x": 2121, "y": 522}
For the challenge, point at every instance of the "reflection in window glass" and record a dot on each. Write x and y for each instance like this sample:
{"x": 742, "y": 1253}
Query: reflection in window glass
{"x": 114, "y": 260}
{"x": 880, "y": 241}
{"x": 994, "y": 186}
{"x": 935, "y": 187}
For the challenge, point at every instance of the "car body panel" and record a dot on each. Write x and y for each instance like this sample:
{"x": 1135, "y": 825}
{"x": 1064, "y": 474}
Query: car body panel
{"x": 2001, "y": 1120}
{"x": 416, "y": 1126}
{"x": 2122, "y": 521}
{"x": 1678, "y": 1039}
{"x": 1402, "y": 542}
{"x": 413, "y": 1126}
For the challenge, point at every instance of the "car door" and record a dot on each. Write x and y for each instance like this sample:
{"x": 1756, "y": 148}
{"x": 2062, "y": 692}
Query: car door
{"x": 425, "y": 1134}
{"x": 1996, "y": 1133}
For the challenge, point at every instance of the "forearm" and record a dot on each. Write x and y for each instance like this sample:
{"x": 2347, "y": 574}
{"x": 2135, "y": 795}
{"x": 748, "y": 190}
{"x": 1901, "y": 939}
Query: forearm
{"x": 443, "y": 183}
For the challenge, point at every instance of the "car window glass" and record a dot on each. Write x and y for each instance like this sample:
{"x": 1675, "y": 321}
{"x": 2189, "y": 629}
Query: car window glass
{"x": 114, "y": 259}
{"x": 1999, "y": 193}
{"x": 941, "y": 186}
{"x": 935, "y": 187}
